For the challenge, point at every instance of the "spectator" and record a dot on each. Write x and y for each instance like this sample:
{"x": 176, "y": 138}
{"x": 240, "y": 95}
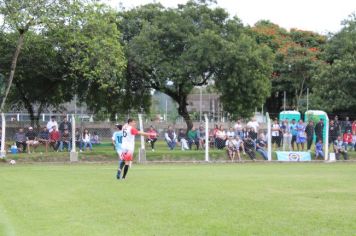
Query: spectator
{"x": 337, "y": 125}
{"x": 347, "y": 139}
{"x": 333, "y": 132}
{"x": 86, "y": 140}
{"x": 309, "y": 130}
{"x": 0, "y": 136}
{"x": 52, "y": 122}
{"x": 294, "y": 132}
{"x": 78, "y": 139}
{"x": 244, "y": 133}
{"x": 65, "y": 125}
{"x": 171, "y": 138}
{"x": 231, "y": 148}
{"x": 261, "y": 144}
{"x": 54, "y": 138}
{"x": 249, "y": 146}
{"x": 193, "y": 138}
{"x": 238, "y": 129}
{"x": 301, "y": 136}
{"x": 347, "y": 124}
{"x": 182, "y": 138}
{"x": 252, "y": 134}
{"x": 152, "y": 138}
{"x": 43, "y": 137}
{"x": 339, "y": 148}
{"x": 231, "y": 133}
{"x": 319, "y": 127}
{"x": 287, "y": 136}
{"x": 20, "y": 139}
{"x": 95, "y": 138}
{"x": 31, "y": 139}
{"x": 354, "y": 141}
{"x": 201, "y": 136}
{"x": 353, "y": 127}
{"x": 275, "y": 133}
{"x": 319, "y": 149}
{"x": 220, "y": 138}
{"x": 65, "y": 140}
{"x": 253, "y": 124}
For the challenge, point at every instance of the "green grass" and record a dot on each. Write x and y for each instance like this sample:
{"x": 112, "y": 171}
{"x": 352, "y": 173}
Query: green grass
{"x": 182, "y": 199}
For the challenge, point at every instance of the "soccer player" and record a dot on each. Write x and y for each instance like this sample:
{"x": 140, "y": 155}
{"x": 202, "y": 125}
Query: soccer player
{"x": 129, "y": 132}
{"x": 117, "y": 142}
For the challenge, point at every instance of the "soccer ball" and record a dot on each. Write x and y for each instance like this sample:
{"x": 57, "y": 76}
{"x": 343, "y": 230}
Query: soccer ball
{"x": 12, "y": 162}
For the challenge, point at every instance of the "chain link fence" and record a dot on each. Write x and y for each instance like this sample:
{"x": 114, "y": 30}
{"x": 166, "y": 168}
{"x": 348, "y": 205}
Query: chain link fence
{"x": 237, "y": 140}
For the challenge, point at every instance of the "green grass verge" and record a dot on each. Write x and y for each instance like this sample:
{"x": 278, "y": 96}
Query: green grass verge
{"x": 182, "y": 199}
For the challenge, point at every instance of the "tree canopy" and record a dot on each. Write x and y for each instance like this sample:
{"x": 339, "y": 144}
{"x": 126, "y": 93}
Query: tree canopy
{"x": 174, "y": 50}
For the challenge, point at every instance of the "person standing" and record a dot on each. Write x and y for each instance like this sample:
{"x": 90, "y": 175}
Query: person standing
{"x": 294, "y": 132}
{"x": 65, "y": 125}
{"x": 20, "y": 139}
{"x": 51, "y": 123}
{"x": 309, "y": 130}
{"x": 129, "y": 132}
{"x": 301, "y": 136}
{"x": 319, "y": 127}
{"x": 117, "y": 142}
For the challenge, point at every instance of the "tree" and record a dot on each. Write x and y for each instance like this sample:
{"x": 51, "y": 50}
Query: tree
{"x": 297, "y": 57}
{"x": 91, "y": 50}
{"x": 174, "y": 50}
{"x": 39, "y": 83}
{"x": 336, "y": 79}
{"x": 81, "y": 55}
{"x": 22, "y": 15}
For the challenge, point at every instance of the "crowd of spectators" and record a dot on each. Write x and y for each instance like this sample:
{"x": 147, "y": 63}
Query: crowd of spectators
{"x": 55, "y": 137}
{"x": 286, "y": 135}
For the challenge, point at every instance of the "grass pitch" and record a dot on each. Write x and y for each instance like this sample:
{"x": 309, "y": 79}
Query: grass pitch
{"x": 202, "y": 199}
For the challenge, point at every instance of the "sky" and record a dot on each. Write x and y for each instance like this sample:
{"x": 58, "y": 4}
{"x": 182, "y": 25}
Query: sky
{"x": 321, "y": 16}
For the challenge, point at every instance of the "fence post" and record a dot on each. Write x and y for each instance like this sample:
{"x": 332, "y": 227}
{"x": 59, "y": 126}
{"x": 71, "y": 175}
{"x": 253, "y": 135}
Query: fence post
{"x": 73, "y": 156}
{"x": 142, "y": 151}
{"x": 269, "y": 143}
{"x": 3, "y": 129}
{"x": 326, "y": 143}
{"x": 206, "y": 138}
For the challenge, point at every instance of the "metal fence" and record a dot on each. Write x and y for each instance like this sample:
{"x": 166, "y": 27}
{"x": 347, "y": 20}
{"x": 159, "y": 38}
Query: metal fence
{"x": 254, "y": 140}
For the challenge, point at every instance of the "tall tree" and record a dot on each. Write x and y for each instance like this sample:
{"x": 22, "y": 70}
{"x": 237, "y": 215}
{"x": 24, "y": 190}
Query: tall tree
{"x": 336, "y": 80}
{"x": 174, "y": 50}
{"x": 20, "y": 16}
{"x": 297, "y": 57}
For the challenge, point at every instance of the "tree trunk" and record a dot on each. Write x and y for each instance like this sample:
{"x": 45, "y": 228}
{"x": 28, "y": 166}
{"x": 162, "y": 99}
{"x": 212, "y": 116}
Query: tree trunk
{"x": 183, "y": 111}
{"x": 13, "y": 68}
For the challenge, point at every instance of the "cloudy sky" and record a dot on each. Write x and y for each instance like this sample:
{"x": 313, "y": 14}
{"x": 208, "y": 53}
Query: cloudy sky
{"x": 320, "y": 16}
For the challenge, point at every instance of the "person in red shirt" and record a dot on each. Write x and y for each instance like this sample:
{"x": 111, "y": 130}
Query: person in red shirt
{"x": 54, "y": 137}
{"x": 347, "y": 139}
{"x": 354, "y": 127}
{"x": 152, "y": 138}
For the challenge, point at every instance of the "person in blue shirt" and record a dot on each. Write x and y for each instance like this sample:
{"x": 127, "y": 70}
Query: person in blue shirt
{"x": 294, "y": 132}
{"x": 319, "y": 150}
{"x": 117, "y": 142}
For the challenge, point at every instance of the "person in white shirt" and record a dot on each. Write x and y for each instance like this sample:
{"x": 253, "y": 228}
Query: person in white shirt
{"x": 129, "y": 132}
{"x": 51, "y": 123}
{"x": 253, "y": 124}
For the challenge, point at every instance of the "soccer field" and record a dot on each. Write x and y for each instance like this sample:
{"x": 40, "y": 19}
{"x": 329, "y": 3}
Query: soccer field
{"x": 200, "y": 199}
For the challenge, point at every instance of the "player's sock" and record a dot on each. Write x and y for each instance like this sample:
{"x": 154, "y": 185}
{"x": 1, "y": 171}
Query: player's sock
{"x": 126, "y": 169}
{"x": 122, "y": 164}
